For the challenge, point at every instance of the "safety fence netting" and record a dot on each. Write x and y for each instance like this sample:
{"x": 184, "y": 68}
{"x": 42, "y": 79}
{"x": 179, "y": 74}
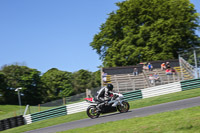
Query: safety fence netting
{"x": 64, "y": 101}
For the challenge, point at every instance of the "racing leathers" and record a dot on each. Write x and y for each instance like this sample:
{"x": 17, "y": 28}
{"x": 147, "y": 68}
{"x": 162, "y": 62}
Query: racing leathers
{"x": 103, "y": 96}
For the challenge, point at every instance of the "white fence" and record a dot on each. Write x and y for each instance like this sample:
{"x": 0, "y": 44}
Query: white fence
{"x": 27, "y": 119}
{"x": 161, "y": 90}
{"x": 77, "y": 107}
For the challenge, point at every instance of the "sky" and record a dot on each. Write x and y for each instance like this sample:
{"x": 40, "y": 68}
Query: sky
{"x": 45, "y": 34}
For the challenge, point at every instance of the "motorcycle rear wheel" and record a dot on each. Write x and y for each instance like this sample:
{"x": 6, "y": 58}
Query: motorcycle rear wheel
{"x": 92, "y": 112}
{"x": 124, "y": 108}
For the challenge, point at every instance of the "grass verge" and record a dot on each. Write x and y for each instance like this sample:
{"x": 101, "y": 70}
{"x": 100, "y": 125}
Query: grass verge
{"x": 7, "y": 111}
{"x": 184, "y": 121}
{"x": 133, "y": 104}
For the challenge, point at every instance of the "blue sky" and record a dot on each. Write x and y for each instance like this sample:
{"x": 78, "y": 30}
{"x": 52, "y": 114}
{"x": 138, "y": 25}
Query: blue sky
{"x": 45, "y": 34}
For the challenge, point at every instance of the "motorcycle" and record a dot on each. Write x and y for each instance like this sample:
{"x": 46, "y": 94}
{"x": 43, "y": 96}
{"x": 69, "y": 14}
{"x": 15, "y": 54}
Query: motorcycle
{"x": 115, "y": 104}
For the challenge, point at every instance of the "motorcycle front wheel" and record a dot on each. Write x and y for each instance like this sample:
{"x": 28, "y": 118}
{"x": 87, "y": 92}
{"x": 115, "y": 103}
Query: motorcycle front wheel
{"x": 124, "y": 108}
{"x": 92, "y": 112}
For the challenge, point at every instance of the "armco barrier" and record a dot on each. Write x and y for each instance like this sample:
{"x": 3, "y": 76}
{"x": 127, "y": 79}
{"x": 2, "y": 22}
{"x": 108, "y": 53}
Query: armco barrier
{"x": 27, "y": 119}
{"x": 11, "y": 122}
{"x": 190, "y": 84}
{"x": 133, "y": 95}
{"x": 77, "y": 107}
{"x": 161, "y": 90}
{"x": 55, "y": 112}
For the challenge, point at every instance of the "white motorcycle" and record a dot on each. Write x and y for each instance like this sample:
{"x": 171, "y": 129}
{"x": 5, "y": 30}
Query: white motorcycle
{"x": 115, "y": 104}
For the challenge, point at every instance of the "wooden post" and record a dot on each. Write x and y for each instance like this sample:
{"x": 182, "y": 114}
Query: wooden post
{"x": 64, "y": 100}
{"x": 15, "y": 114}
{"x": 101, "y": 76}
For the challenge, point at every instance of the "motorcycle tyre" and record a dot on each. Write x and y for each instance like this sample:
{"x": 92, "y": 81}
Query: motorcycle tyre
{"x": 89, "y": 113}
{"x": 126, "y": 105}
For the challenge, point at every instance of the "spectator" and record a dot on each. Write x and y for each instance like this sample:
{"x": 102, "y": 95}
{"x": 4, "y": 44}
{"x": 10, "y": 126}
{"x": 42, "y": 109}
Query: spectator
{"x": 145, "y": 67}
{"x": 156, "y": 77}
{"x": 173, "y": 71}
{"x": 104, "y": 77}
{"x": 135, "y": 71}
{"x": 150, "y": 67}
{"x": 168, "y": 71}
{"x": 151, "y": 79}
{"x": 163, "y": 67}
{"x": 168, "y": 65}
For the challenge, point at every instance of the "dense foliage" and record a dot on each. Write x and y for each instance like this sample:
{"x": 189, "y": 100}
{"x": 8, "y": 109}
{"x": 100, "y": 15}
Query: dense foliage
{"x": 145, "y": 30}
{"x": 37, "y": 88}
{"x": 15, "y": 76}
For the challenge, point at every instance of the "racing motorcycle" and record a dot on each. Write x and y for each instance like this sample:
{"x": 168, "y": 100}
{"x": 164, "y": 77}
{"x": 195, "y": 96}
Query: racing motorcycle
{"x": 115, "y": 104}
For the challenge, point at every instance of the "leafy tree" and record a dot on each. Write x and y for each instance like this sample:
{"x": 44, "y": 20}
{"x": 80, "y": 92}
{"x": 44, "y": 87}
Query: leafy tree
{"x": 82, "y": 80}
{"x": 57, "y": 84}
{"x": 27, "y": 78}
{"x": 96, "y": 79}
{"x": 145, "y": 30}
{"x": 2, "y": 88}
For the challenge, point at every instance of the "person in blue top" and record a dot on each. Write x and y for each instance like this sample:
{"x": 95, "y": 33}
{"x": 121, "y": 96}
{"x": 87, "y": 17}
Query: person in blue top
{"x": 150, "y": 67}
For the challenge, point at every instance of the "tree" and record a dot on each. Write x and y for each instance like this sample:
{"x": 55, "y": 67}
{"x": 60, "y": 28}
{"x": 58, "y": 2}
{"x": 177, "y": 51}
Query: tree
{"x": 57, "y": 84}
{"x": 21, "y": 76}
{"x": 82, "y": 80}
{"x": 145, "y": 30}
{"x": 96, "y": 79}
{"x": 2, "y": 88}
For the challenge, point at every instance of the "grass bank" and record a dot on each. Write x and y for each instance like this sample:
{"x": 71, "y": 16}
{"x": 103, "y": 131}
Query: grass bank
{"x": 183, "y": 121}
{"x": 134, "y": 104}
{"x": 7, "y": 111}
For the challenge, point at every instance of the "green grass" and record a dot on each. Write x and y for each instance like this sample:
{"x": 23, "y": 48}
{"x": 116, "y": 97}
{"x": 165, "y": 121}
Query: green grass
{"x": 134, "y": 104}
{"x": 7, "y": 111}
{"x": 181, "y": 121}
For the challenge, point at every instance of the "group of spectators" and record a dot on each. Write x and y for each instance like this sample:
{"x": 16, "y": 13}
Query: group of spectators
{"x": 168, "y": 69}
{"x": 149, "y": 67}
{"x": 153, "y": 78}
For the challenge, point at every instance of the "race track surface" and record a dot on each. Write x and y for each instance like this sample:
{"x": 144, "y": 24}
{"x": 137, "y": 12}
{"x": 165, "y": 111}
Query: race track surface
{"x": 176, "y": 105}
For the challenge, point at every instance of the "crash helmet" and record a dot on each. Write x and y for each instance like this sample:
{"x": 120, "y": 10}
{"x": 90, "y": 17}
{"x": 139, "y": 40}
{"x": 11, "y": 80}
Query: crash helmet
{"x": 110, "y": 87}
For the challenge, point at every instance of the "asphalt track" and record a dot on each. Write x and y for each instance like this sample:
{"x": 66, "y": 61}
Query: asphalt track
{"x": 176, "y": 105}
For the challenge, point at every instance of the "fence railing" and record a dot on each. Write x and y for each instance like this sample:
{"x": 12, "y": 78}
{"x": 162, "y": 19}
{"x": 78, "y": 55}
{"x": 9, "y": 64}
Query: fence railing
{"x": 186, "y": 69}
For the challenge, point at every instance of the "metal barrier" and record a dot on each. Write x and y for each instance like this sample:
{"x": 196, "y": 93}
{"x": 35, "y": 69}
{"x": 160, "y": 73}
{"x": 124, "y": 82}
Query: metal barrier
{"x": 190, "y": 84}
{"x": 55, "y": 112}
{"x": 161, "y": 90}
{"x": 133, "y": 95}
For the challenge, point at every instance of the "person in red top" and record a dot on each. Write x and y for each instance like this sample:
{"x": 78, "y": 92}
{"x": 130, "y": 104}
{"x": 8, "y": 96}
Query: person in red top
{"x": 168, "y": 71}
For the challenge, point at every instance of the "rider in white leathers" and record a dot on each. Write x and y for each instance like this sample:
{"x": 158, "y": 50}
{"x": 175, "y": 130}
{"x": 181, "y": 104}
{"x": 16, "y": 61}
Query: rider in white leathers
{"x": 103, "y": 95}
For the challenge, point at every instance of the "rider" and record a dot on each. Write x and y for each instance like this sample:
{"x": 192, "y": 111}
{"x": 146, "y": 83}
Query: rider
{"x": 103, "y": 95}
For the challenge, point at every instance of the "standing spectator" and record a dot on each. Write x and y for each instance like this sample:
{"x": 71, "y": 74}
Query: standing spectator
{"x": 150, "y": 67}
{"x": 163, "y": 67}
{"x": 135, "y": 71}
{"x": 167, "y": 65}
{"x": 104, "y": 77}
